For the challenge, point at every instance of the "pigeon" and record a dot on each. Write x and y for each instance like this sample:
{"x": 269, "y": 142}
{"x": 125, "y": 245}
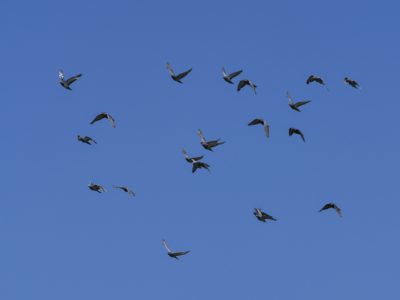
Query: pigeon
{"x": 86, "y": 139}
{"x": 208, "y": 145}
{"x": 104, "y": 115}
{"x": 125, "y": 189}
{"x": 66, "y": 83}
{"x": 178, "y": 77}
{"x": 263, "y": 123}
{"x": 295, "y": 105}
{"x": 262, "y": 216}
{"x": 228, "y": 78}
{"x": 334, "y": 206}
{"x": 195, "y": 161}
{"x": 313, "y": 78}
{"x": 96, "y": 187}
{"x": 351, "y": 82}
{"x": 296, "y": 131}
{"x": 173, "y": 254}
{"x": 244, "y": 82}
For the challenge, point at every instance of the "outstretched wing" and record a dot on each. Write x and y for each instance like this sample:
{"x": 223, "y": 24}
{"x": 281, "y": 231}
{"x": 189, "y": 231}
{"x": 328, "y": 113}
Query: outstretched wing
{"x": 234, "y": 74}
{"x": 200, "y": 134}
{"x": 111, "y": 119}
{"x": 166, "y": 246}
{"x": 61, "y": 74}
{"x": 289, "y": 98}
{"x": 170, "y": 70}
{"x": 224, "y": 73}
{"x": 301, "y": 103}
{"x": 181, "y": 253}
{"x": 98, "y": 118}
{"x": 73, "y": 79}
{"x": 256, "y": 122}
{"x": 183, "y": 74}
{"x": 242, "y": 84}
{"x": 266, "y": 128}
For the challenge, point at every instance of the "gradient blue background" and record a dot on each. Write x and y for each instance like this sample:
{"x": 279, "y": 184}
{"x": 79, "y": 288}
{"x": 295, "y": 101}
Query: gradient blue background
{"x": 61, "y": 241}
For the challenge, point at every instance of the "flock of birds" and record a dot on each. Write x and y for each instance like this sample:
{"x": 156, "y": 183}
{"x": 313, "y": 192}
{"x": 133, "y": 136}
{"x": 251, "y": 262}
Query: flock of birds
{"x": 196, "y": 161}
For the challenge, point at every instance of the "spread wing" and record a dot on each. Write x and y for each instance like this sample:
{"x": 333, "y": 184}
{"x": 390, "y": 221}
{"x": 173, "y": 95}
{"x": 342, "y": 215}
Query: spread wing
{"x": 181, "y": 253}
{"x": 166, "y": 246}
{"x": 98, "y": 118}
{"x": 170, "y": 70}
{"x": 256, "y": 122}
{"x": 266, "y": 129}
{"x": 183, "y": 74}
{"x": 224, "y": 73}
{"x": 234, "y": 74}
{"x": 242, "y": 84}
{"x": 111, "y": 119}
{"x": 289, "y": 98}
{"x": 61, "y": 74}
{"x": 200, "y": 133}
{"x": 73, "y": 79}
{"x": 301, "y": 103}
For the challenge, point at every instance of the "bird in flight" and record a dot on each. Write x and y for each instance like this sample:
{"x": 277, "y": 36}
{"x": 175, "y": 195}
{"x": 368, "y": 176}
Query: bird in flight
{"x": 262, "y": 216}
{"x": 261, "y": 122}
{"x": 196, "y": 162}
{"x": 351, "y": 82}
{"x": 173, "y": 254}
{"x": 296, "y": 131}
{"x": 334, "y": 206}
{"x": 228, "y": 78}
{"x": 125, "y": 189}
{"x": 208, "y": 145}
{"x": 313, "y": 78}
{"x": 295, "y": 105}
{"x": 244, "y": 82}
{"x": 104, "y": 115}
{"x": 86, "y": 139}
{"x": 178, "y": 77}
{"x": 66, "y": 83}
{"x": 96, "y": 187}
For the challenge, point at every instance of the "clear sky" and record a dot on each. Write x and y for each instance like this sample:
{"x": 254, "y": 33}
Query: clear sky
{"x": 59, "y": 240}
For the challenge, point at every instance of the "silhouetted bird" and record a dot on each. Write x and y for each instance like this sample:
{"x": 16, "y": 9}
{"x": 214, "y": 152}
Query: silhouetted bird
{"x": 195, "y": 161}
{"x": 295, "y": 105}
{"x": 191, "y": 159}
{"x": 313, "y": 78}
{"x": 208, "y": 145}
{"x": 296, "y": 131}
{"x": 178, "y": 77}
{"x": 263, "y": 123}
{"x": 244, "y": 82}
{"x": 262, "y": 216}
{"x": 173, "y": 254}
{"x": 102, "y": 116}
{"x": 125, "y": 189}
{"x": 228, "y": 78}
{"x": 96, "y": 187}
{"x": 86, "y": 139}
{"x": 334, "y": 206}
{"x": 66, "y": 83}
{"x": 351, "y": 82}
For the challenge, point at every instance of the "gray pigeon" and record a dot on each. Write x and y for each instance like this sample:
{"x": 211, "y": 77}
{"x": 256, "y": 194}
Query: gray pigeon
{"x": 244, "y": 82}
{"x": 173, "y": 254}
{"x": 208, "y": 145}
{"x": 125, "y": 189}
{"x": 228, "y": 77}
{"x": 352, "y": 82}
{"x": 263, "y": 123}
{"x": 96, "y": 187}
{"x": 334, "y": 206}
{"x": 178, "y": 77}
{"x": 86, "y": 139}
{"x": 66, "y": 83}
{"x": 295, "y": 105}
{"x": 296, "y": 131}
{"x": 102, "y": 116}
{"x": 195, "y": 161}
{"x": 262, "y": 216}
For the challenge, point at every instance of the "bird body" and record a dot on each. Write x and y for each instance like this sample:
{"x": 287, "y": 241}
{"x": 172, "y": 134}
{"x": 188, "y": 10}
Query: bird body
{"x": 96, "y": 187}
{"x": 262, "y": 216}
{"x": 313, "y": 78}
{"x": 295, "y": 105}
{"x": 171, "y": 253}
{"x": 178, "y": 77}
{"x": 332, "y": 206}
{"x": 228, "y": 77}
{"x": 261, "y": 122}
{"x": 208, "y": 145}
{"x": 86, "y": 139}
{"x": 102, "y": 116}
{"x": 296, "y": 131}
{"x": 244, "y": 82}
{"x": 66, "y": 83}
{"x": 351, "y": 82}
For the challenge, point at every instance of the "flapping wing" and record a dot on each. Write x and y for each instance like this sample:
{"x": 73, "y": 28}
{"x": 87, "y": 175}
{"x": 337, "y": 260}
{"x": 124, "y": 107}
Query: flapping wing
{"x": 201, "y": 135}
{"x": 111, "y": 119}
{"x": 183, "y": 74}
{"x": 289, "y": 98}
{"x": 266, "y": 128}
{"x": 170, "y": 70}
{"x": 181, "y": 253}
{"x": 301, "y": 103}
{"x": 166, "y": 246}
{"x": 61, "y": 74}
{"x": 73, "y": 79}
{"x": 98, "y": 118}
{"x": 256, "y": 122}
{"x": 241, "y": 84}
{"x": 224, "y": 73}
{"x": 234, "y": 74}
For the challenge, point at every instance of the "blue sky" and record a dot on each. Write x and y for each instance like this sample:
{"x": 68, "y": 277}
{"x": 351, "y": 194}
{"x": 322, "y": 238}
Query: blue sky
{"x": 61, "y": 241}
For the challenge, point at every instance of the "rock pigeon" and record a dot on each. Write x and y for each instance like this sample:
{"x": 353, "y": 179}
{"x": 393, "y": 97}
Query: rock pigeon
{"x": 173, "y": 254}
{"x": 228, "y": 78}
{"x": 263, "y": 123}
{"x": 295, "y": 105}
{"x": 313, "y": 78}
{"x": 334, "y": 206}
{"x": 244, "y": 82}
{"x": 296, "y": 131}
{"x": 208, "y": 145}
{"x": 351, "y": 82}
{"x": 125, "y": 189}
{"x": 195, "y": 161}
{"x": 66, "y": 83}
{"x": 262, "y": 216}
{"x": 178, "y": 77}
{"x": 96, "y": 187}
{"x": 86, "y": 139}
{"x": 104, "y": 115}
